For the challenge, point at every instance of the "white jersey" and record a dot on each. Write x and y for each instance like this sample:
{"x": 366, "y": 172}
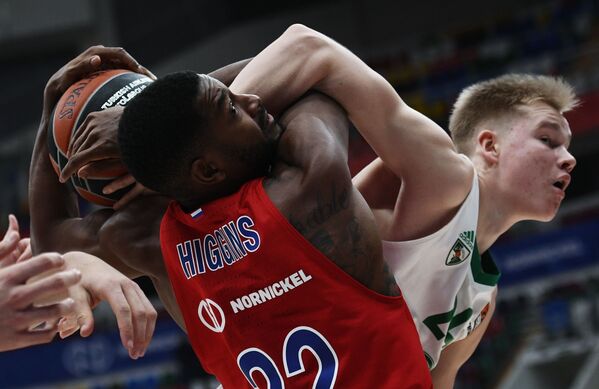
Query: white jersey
{"x": 444, "y": 280}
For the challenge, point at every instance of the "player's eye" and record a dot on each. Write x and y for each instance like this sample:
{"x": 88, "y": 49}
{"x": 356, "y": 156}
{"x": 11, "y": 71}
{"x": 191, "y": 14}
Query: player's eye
{"x": 547, "y": 141}
{"x": 232, "y": 107}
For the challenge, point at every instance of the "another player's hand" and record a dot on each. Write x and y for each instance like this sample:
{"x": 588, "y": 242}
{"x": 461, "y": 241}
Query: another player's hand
{"x": 91, "y": 60}
{"x": 94, "y": 147}
{"x": 17, "y": 298}
{"x": 136, "y": 317}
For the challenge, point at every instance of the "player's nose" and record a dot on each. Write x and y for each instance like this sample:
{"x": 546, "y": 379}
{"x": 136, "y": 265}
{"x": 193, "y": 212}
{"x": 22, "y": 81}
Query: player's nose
{"x": 251, "y": 103}
{"x": 567, "y": 161}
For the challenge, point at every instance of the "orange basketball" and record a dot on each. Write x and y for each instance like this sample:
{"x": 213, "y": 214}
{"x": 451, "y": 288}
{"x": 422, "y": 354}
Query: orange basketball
{"x": 100, "y": 91}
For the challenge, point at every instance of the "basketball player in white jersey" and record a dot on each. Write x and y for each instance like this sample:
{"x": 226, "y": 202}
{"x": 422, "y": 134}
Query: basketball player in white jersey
{"x": 439, "y": 205}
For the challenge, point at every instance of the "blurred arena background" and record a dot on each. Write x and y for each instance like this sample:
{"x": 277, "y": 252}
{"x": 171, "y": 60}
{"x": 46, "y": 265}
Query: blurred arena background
{"x": 545, "y": 333}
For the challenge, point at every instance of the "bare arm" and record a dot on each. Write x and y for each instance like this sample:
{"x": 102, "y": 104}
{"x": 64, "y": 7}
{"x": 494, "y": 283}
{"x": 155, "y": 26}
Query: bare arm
{"x": 411, "y": 145}
{"x": 377, "y": 174}
{"x": 227, "y": 73}
{"x": 133, "y": 234}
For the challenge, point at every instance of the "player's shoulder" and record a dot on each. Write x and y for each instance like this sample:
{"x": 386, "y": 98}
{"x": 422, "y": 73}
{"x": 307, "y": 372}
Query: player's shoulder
{"x": 463, "y": 180}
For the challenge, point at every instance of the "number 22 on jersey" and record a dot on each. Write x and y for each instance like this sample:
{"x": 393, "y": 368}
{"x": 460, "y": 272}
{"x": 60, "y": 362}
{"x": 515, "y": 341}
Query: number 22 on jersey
{"x": 297, "y": 340}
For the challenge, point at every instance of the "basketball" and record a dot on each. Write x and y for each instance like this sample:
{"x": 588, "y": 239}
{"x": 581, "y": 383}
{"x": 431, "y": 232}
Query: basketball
{"x": 102, "y": 90}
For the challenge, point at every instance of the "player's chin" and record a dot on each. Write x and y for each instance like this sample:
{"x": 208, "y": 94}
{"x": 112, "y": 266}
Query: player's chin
{"x": 272, "y": 131}
{"x": 548, "y": 214}
{"x": 546, "y": 218}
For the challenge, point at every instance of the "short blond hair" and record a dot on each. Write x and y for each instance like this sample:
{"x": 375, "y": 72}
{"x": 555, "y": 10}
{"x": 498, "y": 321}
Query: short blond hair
{"x": 501, "y": 96}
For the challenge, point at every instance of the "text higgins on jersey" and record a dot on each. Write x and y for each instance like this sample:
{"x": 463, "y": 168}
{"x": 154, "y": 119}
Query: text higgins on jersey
{"x": 226, "y": 245}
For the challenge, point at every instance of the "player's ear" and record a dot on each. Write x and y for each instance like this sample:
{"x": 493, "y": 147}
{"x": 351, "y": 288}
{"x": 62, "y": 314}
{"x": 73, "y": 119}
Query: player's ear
{"x": 486, "y": 142}
{"x": 206, "y": 172}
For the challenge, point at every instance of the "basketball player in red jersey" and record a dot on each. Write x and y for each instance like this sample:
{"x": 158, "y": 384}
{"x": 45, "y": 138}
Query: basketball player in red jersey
{"x": 269, "y": 248}
{"x": 259, "y": 298}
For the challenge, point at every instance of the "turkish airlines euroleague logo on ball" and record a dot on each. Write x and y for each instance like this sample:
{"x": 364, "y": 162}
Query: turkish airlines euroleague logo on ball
{"x": 211, "y": 315}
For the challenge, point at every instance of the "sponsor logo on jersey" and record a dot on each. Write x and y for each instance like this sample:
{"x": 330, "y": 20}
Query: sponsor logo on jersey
{"x": 271, "y": 292}
{"x": 479, "y": 319}
{"x": 461, "y": 249}
{"x": 225, "y": 246}
{"x": 211, "y": 315}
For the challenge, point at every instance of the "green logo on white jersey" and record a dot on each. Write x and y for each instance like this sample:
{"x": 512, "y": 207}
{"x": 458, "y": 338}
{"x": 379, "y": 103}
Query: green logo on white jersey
{"x": 461, "y": 249}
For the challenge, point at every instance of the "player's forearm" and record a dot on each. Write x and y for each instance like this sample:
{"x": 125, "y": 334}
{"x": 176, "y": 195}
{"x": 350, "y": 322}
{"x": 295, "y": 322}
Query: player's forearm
{"x": 228, "y": 73}
{"x": 443, "y": 379}
{"x": 55, "y": 221}
{"x": 51, "y": 202}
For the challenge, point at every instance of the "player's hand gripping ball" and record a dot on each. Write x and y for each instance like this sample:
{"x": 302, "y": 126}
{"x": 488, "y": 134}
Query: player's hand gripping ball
{"x": 99, "y": 91}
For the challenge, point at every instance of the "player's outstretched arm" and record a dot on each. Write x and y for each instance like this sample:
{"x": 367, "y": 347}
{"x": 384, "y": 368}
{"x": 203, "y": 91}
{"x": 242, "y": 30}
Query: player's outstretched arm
{"x": 136, "y": 317}
{"x": 411, "y": 145}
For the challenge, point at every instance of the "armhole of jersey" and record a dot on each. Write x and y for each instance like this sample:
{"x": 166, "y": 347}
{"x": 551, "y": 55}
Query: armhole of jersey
{"x": 484, "y": 269}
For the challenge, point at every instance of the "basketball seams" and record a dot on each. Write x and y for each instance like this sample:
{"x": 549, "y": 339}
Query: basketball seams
{"x": 87, "y": 185}
{"x": 96, "y": 198}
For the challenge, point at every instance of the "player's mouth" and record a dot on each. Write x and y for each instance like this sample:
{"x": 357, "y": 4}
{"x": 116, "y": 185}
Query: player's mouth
{"x": 265, "y": 119}
{"x": 562, "y": 183}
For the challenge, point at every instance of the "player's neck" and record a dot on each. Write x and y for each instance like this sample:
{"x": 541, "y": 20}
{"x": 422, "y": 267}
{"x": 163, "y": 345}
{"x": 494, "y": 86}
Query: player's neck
{"x": 495, "y": 214}
{"x": 202, "y": 195}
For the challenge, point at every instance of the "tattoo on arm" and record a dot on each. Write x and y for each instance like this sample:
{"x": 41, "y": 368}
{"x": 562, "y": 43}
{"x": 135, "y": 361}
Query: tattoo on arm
{"x": 325, "y": 210}
{"x": 310, "y": 225}
{"x": 322, "y": 240}
{"x": 343, "y": 239}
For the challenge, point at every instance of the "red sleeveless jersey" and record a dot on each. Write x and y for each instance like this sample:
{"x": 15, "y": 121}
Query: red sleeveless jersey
{"x": 265, "y": 308}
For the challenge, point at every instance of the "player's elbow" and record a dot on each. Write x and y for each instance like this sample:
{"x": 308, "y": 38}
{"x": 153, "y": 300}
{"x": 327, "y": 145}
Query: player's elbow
{"x": 129, "y": 242}
{"x": 299, "y": 31}
{"x": 116, "y": 235}
{"x": 306, "y": 42}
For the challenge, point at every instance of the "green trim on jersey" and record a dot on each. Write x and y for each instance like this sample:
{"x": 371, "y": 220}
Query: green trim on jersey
{"x": 429, "y": 360}
{"x": 484, "y": 269}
